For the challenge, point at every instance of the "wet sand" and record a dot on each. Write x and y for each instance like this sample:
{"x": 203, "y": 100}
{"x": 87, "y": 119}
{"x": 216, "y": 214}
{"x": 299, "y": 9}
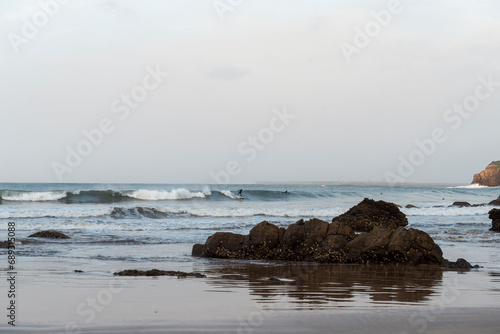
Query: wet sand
{"x": 242, "y": 297}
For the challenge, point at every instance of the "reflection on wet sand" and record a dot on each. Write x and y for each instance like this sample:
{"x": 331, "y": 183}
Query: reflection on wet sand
{"x": 312, "y": 285}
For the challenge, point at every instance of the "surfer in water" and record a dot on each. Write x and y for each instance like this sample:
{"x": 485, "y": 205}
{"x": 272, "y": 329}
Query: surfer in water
{"x": 240, "y": 192}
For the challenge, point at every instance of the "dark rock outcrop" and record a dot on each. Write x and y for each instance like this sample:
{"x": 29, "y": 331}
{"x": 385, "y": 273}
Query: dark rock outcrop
{"x": 263, "y": 235}
{"x": 369, "y": 213}
{"x": 5, "y": 244}
{"x": 411, "y": 206}
{"x": 384, "y": 240}
{"x": 156, "y": 272}
{"x": 197, "y": 250}
{"x": 318, "y": 241}
{"x": 224, "y": 245}
{"x": 495, "y": 217}
{"x": 495, "y": 202}
{"x": 460, "y": 264}
{"x": 337, "y": 237}
{"x": 461, "y": 204}
{"x": 490, "y": 176}
{"x": 50, "y": 234}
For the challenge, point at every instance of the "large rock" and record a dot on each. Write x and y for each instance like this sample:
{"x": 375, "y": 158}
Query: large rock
{"x": 315, "y": 231}
{"x": 332, "y": 248}
{"x": 301, "y": 241}
{"x": 49, "y": 234}
{"x": 337, "y": 228}
{"x": 333, "y": 243}
{"x": 423, "y": 248}
{"x": 375, "y": 244}
{"x": 490, "y": 176}
{"x": 303, "y": 234}
{"x": 399, "y": 245}
{"x": 294, "y": 235}
{"x": 261, "y": 240}
{"x": 386, "y": 240}
{"x": 225, "y": 245}
{"x": 369, "y": 213}
{"x": 495, "y": 217}
{"x": 263, "y": 235}
{"x": 337, "y": 236}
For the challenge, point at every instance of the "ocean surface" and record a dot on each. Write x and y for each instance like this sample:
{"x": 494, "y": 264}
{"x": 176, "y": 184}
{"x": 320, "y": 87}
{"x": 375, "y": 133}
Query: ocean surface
{"x": 130, "y": 225}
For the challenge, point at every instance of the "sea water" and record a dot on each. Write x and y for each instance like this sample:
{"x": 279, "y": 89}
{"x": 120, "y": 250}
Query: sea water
{"x": 137, "y": 225}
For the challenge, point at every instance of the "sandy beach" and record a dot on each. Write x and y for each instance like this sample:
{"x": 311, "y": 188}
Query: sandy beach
{"x": 239, "y": 297}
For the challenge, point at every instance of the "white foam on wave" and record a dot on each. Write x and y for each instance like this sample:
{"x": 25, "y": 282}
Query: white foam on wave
{"x": 97, "y": 226}
{"x": 447, "y": 211}
{"x": 176, "y": 194}
{"x": 230, "y": 194}
{"x": 250, "y": 212}
{"x": 471, "y": 186}
{"x": 7, "y": 213}
{"x": 43, "y": 196}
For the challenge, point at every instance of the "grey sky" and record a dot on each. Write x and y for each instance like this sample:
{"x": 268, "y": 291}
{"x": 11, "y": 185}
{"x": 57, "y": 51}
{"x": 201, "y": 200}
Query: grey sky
{"x": 353, "y": 120}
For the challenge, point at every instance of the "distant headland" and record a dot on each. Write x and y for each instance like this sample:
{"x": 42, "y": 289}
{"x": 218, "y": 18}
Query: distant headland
{"x": 489, "y": 177}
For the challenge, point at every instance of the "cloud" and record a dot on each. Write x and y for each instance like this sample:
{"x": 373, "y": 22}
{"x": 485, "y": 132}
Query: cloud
{"x": 227, "y": 72}
{"x": 115, "y": 7}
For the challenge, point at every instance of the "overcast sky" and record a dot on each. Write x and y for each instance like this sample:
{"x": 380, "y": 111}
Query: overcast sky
{"x": 232, "y": 67}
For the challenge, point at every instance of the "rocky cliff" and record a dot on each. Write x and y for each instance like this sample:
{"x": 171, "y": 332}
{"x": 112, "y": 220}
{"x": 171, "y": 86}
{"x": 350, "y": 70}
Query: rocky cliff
{"x": 490, "y": 176}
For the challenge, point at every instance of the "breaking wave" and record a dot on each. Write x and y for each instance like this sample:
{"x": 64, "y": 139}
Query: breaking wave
{"x": 472, "y": 186}
{"x": 229, "y": 194}
{"x": 25, "y": 196}
{"x": 113, "y": 196}
{"x": 176, "y": 194}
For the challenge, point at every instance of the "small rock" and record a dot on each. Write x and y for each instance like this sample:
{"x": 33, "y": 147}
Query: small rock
{"x": 50, "y": 234}
{"x": 461, "y": 204}
{"x": 495, "y": 202}
{"x": 495, "y": 217}
{"x": 197, "y": 250}
{"x": 5, "y": 244}
{"x": 460, "y": 264}
{"x": 156, "y": 272}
